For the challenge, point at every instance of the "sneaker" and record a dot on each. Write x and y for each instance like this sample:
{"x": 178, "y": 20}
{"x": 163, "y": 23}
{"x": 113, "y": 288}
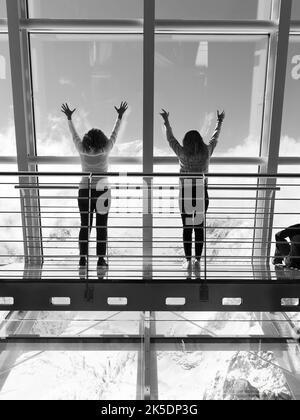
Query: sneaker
{"x": 102, "y": 263}
{"x": 187, "y": 265}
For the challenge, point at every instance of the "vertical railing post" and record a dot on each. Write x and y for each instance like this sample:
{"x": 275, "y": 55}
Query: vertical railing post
{"x": 90, "y": 183}
{"x": 24, "y": 129}
{"x": 148, "y": 133}
{"x": 205, "y": 226}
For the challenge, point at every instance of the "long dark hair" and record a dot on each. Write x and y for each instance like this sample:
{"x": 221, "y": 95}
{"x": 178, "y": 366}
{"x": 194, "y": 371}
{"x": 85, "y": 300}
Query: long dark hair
{"x": 193, "y": 144}
{"x": 94, "y": 141}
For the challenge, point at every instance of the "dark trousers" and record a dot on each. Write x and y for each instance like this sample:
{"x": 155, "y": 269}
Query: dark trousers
{"x": 90, "y": 202}
{"x": 190, "y": 194}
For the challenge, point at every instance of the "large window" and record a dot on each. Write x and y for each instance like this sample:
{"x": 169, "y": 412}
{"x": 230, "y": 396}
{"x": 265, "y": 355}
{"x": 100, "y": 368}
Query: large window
{"x": 213, "y": 9}
{"x": 290, "y": 143}
{"x": 87, "y": 9}
{"x": 7, "y": 135}
{"x": 93, "y": 73}
{"x": 296, "y": 10}
{"x": 196, "y": 75}
{"x": 2, "y": 9}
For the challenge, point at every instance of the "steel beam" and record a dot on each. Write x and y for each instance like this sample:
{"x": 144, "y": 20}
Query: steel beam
{"x": 132, "y": 343}
{"x": 250, "y": 296}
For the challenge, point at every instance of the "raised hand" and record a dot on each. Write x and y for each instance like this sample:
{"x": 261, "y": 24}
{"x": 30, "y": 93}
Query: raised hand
{"x": 67, "y": 111}
{"x": 122, "y": 109}
{"x": 221, "y": 116}
{"x": 165, "y": 115}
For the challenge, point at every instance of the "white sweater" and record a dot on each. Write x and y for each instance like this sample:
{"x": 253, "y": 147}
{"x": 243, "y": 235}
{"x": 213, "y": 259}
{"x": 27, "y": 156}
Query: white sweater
{"x": 94, "y": 163}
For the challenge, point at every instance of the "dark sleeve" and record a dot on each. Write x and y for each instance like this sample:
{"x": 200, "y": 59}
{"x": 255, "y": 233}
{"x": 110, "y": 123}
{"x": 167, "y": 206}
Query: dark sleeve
{"x": 288, "y": 233}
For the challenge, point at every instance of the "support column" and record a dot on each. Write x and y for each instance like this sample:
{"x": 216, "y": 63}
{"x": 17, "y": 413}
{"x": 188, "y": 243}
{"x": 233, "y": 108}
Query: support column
{"x": 265, "y": 204}
{"x": 148, "y": 133}
{"x": 24, "y": 127}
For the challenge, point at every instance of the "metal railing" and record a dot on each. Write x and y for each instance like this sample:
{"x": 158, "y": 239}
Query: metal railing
{"x": 40, "y": 222}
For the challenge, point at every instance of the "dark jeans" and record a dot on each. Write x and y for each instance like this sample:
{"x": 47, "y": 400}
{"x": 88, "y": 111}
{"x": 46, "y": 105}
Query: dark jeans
{"x": 87, "y": 203}
{"x": 190, "y": 194}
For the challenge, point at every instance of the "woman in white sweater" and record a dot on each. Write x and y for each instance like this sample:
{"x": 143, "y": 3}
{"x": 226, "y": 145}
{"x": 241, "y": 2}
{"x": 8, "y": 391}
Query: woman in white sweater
{"x": 94, "y": 150}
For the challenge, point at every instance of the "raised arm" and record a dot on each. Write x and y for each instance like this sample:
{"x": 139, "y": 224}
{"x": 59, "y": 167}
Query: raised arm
{"x": 214, "y": 140}
{"x": 174, "y": 144}
{"x": 76, "y": 139}
{"x": 121, "y": 111}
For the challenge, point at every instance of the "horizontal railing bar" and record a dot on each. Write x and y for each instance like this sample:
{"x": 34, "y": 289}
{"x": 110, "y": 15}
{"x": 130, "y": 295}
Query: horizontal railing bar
{"x": 126, "y": 188}
{"x": 153, "y": 175}
{"x": 155, "y": 207}
{"x": 81, "y": 25}
{"x": 249, "y": 27}
{"x": 170, "y": 160}
{"x": 139, "y": 227}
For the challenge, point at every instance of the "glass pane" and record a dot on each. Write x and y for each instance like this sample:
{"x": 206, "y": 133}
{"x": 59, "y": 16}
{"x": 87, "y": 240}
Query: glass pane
{"x": 60, "y": 219}
{"x": 296, "y": 10}
{"x": 213, "y": 9}
{"x": 230, "y": 221}
{"x": 229, "y": 375}
{"x": 220, "y": 324}
{"x": 93, "y": 73}
{"x": 287, "y": 205}
{"x": 196, "y": 75}
{"x": 86, "y": 9}
{"x": 2, "y": 9}
{"x": 7, "y": 129}
{"x": 11, "y": 233}
{"x": 71, "y": 324}
{"x": 290, "y": 142}
{"x": 69, "y": 375}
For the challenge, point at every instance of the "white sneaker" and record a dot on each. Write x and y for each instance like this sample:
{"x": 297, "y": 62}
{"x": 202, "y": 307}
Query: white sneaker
{"x": 187, "y": 265}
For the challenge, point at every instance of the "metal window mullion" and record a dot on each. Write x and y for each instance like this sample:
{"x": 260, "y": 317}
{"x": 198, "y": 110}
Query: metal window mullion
{"x": 21, "y": 89}
{"x": 270, "y": 146}
{"x": 148, "y": 131}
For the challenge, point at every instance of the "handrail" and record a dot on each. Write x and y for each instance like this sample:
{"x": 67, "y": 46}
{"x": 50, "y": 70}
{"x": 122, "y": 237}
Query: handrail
{"x": 154, "y": 175}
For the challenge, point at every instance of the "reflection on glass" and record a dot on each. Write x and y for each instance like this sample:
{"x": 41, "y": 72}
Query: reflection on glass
{"x": 196, "y": 75}
{"x": 7, "y": 130}
{"x": 94, "y": 73}
{"x": 290, "y": 142}
{"x": 214, "y": 9}
{"x": 88, "y": 9}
